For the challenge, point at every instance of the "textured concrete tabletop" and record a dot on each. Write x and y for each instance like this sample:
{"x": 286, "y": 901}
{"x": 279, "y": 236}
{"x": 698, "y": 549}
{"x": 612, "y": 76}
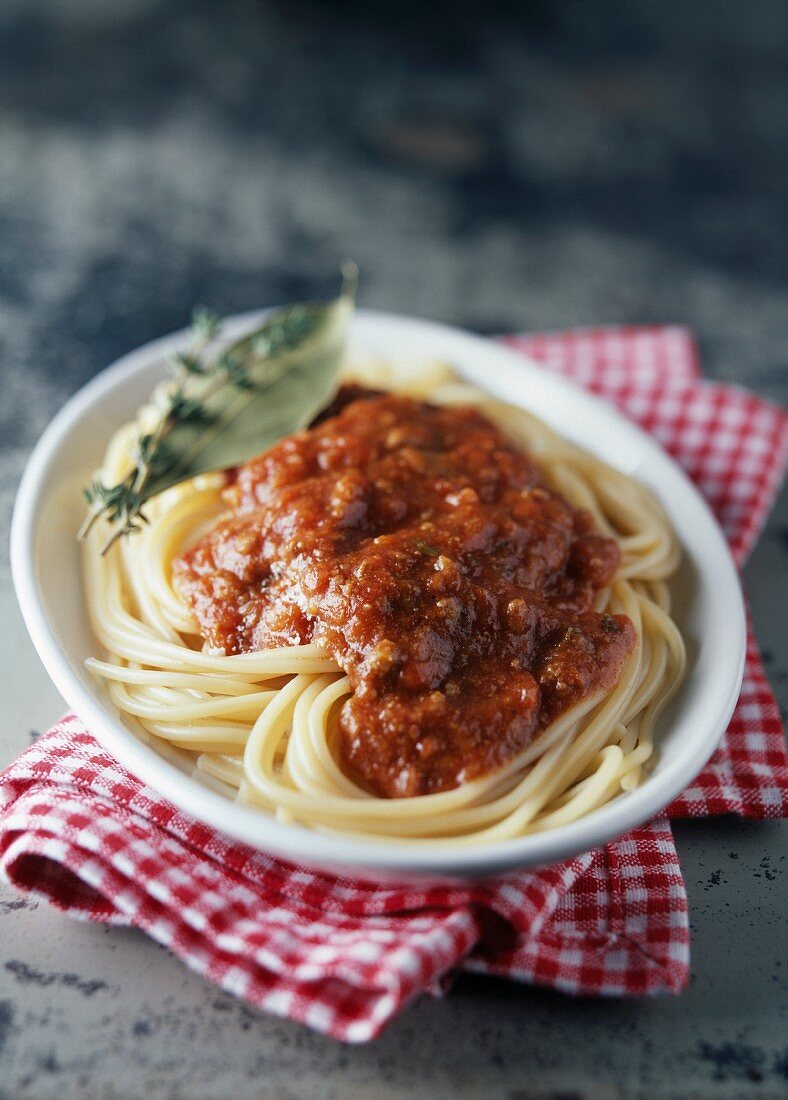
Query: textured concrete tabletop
{"x": 581, "y": 163}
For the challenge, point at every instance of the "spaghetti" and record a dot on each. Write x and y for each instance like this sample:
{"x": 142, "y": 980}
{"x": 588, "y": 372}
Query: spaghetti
{"x": 262, "y": 727}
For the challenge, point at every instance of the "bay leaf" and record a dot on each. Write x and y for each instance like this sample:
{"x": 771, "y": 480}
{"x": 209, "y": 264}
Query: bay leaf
{"x": 217, "y": 414}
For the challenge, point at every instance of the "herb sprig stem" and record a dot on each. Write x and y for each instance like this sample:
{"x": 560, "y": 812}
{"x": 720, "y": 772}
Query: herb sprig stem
{"x": 212, "y": 391}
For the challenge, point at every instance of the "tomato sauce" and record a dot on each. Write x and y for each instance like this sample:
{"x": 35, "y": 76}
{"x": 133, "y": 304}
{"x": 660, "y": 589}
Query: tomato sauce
{"x": 424, "y": 551}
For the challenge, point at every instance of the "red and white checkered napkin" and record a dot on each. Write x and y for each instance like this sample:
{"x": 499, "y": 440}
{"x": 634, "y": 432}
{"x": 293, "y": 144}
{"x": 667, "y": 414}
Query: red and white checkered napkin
{"x": 345, "y": 957}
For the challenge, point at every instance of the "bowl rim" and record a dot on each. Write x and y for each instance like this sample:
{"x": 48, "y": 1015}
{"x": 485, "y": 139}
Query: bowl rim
{"x": 347, "y": 855}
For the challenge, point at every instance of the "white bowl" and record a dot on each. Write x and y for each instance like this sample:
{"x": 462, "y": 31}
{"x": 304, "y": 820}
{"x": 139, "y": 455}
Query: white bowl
{"x": 709, "y": 609}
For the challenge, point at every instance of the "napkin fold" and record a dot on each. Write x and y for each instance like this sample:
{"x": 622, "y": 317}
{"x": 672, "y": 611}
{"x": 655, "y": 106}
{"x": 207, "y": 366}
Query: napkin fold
{"x": 344, "y": 957}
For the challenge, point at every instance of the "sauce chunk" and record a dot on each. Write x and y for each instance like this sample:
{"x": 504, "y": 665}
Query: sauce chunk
{"x": 423, "y": 550}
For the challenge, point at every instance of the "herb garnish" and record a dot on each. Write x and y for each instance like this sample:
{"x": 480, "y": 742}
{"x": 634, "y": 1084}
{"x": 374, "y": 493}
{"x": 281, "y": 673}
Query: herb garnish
{"x": 221, "y": 407}
{"x": 426, "y": 548}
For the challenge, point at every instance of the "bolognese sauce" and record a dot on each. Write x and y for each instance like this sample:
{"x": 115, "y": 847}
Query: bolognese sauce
{"x": 425, "y": 552}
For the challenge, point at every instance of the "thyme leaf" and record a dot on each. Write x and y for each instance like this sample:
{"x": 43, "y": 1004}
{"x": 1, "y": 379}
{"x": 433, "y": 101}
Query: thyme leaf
{"x": 224, "y": 405}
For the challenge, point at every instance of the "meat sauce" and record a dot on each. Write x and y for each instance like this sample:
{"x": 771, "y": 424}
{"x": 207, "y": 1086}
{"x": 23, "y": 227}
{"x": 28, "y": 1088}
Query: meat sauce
{"x": 424, "y": 551}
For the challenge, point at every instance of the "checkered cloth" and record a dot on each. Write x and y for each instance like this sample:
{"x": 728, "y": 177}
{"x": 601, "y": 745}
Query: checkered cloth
{"x": 345, "y": 957}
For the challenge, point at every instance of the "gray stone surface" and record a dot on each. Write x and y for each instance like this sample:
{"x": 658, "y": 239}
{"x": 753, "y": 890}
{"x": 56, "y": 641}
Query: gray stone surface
{"x": 558, "y": 165}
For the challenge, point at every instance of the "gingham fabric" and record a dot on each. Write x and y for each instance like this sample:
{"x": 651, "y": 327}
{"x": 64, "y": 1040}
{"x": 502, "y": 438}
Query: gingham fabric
{"x": 345, "y": 957}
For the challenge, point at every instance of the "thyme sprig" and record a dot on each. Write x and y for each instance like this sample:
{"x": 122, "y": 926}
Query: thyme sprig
{"x": 212, "y": 390}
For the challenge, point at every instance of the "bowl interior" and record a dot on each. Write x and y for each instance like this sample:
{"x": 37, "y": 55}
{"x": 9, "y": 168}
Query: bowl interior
{"x": 708, "y": 605}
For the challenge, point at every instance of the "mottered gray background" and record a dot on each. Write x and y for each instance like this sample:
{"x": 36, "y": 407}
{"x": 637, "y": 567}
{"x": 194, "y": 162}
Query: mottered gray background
{"x": 501, "y": 166}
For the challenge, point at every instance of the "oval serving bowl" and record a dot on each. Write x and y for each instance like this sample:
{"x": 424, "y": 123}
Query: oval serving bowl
{"x": 708, "y": 602}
